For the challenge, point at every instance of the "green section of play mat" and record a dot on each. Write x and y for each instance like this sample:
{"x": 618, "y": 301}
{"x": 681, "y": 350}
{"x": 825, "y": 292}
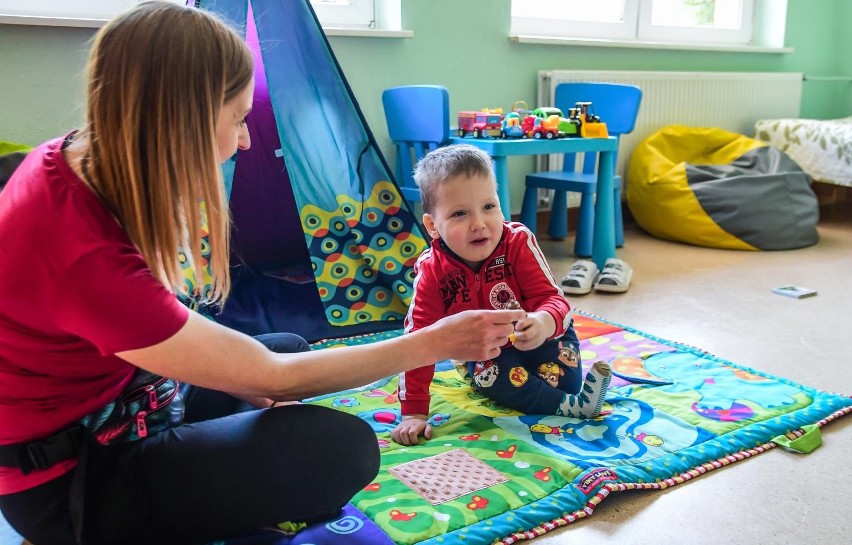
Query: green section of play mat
{"x": 676, "y": 412}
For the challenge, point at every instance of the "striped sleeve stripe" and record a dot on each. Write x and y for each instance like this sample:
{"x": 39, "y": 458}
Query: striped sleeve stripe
{"x": 407, "y": 324}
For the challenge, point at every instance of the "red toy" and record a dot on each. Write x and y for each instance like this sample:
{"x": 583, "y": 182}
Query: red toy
{"x": 536, "y": 127}
{"x": 480, "y": 123}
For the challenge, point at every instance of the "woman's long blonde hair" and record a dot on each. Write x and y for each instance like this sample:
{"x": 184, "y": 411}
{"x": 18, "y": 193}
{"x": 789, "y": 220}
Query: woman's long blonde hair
{"x": 158, "y": 75}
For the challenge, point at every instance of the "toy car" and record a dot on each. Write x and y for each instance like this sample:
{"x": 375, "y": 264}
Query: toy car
{"x": 591, "y": 124}
{"x": 480, "y": 124}
{"x": 536, "y": 127}
{"x": 567, "y": 126}
{"x": 511, "y": 126}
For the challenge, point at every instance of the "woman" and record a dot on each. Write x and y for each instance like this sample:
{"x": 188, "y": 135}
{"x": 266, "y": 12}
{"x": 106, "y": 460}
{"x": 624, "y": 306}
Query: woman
{"x": 90, "y": 227}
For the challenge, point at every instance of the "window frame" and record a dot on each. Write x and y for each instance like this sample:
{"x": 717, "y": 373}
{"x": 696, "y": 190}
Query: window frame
{"x": 358, "y": 15}
{"x": 537, "y": 26}
{"x": 690, "y": 34}
{"x": 80, "y": 13}
{"x": 636, "y": 28}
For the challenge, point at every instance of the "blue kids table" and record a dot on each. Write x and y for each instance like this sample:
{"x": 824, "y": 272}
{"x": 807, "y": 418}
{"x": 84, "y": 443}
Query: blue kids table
{"x": 603, "y": 246}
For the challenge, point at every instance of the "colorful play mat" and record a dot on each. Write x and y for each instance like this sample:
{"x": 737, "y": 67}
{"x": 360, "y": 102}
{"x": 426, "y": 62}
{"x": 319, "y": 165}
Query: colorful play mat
{"x": 493, "y": 476}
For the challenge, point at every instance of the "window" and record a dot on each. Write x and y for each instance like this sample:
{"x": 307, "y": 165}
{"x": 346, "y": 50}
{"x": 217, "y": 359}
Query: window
{"x": 84, "y": 13}
{"x": 704, "y": 21}
{"x": 728, "y": 22}
{"x": 352, "y": 14}
{"x": 346, "y": 13}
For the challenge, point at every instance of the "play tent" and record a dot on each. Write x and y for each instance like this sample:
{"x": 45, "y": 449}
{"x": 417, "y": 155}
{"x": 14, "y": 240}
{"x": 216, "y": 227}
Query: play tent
{"x": 323, "y": 243}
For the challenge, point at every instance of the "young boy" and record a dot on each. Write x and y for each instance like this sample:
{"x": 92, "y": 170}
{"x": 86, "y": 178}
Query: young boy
{"x": 477, "y": 260}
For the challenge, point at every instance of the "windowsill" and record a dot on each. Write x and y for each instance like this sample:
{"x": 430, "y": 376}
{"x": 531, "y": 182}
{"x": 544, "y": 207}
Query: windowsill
{"x": 97, "y": 23}
{"x": 367, "y": 32}
{"x": 51, "y": 21}
{"x": 637, "y": 44}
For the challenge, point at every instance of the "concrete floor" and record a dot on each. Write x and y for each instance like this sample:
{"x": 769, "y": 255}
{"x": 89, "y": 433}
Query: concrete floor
{"x": 721, "y": 301}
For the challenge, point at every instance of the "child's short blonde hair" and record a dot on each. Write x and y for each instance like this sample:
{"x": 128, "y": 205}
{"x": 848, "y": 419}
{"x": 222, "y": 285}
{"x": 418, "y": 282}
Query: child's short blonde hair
{"x": 448, "y": 162}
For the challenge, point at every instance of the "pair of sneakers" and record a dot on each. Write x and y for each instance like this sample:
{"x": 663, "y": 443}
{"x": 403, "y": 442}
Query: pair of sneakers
{"x": 615, "y": 277}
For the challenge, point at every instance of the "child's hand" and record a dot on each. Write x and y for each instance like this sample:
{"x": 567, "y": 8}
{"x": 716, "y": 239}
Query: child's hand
{"x": 411, "y": 427}
{"x": 533, "y": 330}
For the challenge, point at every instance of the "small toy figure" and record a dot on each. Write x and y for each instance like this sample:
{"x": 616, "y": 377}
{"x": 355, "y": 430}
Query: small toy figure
{"x": 513, "y": 305}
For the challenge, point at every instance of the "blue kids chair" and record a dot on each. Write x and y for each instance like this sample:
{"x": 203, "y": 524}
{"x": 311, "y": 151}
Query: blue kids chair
{"x": 617, "y": 105}
{"x": 418, "y": 118}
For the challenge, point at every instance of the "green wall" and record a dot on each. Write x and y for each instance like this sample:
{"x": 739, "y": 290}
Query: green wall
{"x": 844, "y": 61}
{"x": 41, "y": 89}
{"x": 461, "y": 45}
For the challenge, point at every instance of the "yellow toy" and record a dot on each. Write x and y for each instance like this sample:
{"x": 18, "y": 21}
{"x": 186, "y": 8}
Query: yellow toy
{"x": 591, "y": 125}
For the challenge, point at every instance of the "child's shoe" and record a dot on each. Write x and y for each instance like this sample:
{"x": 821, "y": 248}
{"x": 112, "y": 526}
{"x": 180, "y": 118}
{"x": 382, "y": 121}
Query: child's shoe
{"x": 579, "y": 280}
{"x": 588, "y": 402}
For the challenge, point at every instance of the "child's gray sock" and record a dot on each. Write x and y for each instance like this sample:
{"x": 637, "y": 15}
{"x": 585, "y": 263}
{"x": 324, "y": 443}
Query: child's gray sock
{"x": 588, "y": 402}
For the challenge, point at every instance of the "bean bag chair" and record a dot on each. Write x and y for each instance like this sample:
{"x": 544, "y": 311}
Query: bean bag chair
{"x": 714, "y": 188}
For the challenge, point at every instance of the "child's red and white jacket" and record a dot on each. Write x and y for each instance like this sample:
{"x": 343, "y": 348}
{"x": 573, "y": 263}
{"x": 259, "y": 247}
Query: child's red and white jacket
{"x": 445, "y": 285}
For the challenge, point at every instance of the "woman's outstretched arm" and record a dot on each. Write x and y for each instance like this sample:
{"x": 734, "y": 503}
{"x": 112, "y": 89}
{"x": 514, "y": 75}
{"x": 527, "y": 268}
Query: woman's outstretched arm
{"x": 210, "y": 355}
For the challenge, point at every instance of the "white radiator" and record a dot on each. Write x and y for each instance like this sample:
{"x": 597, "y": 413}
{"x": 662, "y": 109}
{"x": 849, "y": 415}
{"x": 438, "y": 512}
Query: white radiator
{"x": 729, "y": 100}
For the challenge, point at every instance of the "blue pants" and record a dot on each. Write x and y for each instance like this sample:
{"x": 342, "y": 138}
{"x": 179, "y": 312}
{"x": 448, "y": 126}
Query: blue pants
{"x": 532, "y": 382}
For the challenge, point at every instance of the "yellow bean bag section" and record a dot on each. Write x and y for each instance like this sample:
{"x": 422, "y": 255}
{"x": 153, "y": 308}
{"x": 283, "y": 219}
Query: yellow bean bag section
{"x": 714, "y": 188}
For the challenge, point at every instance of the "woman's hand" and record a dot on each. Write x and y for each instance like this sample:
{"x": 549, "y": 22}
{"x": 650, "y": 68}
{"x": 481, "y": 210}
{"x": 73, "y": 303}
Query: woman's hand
{"x": 474, "y": 335}
{"x": 410, "y": 429}
{"x": 533, "y": 330}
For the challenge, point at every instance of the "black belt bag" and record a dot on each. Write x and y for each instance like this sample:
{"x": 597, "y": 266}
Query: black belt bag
{"x": 148, "y": 405}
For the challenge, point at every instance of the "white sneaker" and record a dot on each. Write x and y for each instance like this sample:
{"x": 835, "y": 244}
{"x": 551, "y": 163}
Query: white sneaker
{"x": 579, "y": 281}
{"x": 615, "y": 276}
